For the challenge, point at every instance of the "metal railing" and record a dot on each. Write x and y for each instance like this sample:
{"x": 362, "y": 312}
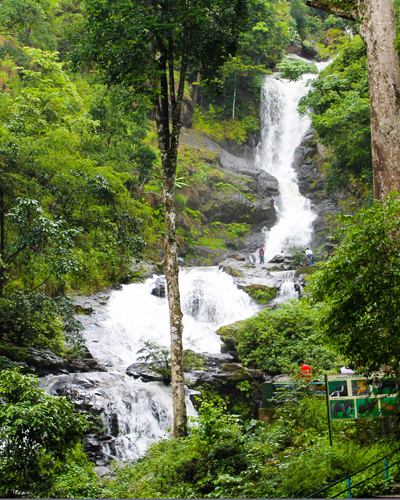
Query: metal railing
{"x": 348, "y": 478}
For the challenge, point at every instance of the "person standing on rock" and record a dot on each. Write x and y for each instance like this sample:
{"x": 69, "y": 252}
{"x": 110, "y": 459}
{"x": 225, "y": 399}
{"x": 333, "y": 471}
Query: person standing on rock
{"x": 261, "y": 253}
{"x": 309, "y": 255}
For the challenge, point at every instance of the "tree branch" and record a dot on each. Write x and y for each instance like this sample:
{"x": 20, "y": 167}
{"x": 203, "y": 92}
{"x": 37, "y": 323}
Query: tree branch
{"x": 332, "y": 7}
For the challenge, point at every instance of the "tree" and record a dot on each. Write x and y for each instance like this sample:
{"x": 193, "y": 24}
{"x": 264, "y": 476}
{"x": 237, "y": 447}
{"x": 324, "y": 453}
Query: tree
{"x": 360, "y": 286}
{"x": 148, "y": 46}
{"x": 378, "y": 30}
{"x": 36, "y": 432}
{"x": 60, "y": 207}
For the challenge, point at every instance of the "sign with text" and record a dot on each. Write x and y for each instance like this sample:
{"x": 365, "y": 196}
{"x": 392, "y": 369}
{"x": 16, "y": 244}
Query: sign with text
{"x": 353, "y": 396}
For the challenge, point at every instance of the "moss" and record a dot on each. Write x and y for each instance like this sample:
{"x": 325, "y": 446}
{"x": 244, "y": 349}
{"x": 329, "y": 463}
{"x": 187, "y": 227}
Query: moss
{"x": 307, "y": 270}
{"x": 260, "y": 293}
{"x": 83, "y": 310}
{"x": 228, "y": 334}
{"x": 15, "y": 353}
{"x": 233, "y": 272}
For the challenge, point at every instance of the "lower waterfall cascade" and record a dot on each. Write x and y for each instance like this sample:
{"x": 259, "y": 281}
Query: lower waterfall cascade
{"x": 136, "y": 413}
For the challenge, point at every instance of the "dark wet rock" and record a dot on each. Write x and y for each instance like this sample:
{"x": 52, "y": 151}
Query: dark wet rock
{"x": 46, "y": 362}
{"x": 160, "y": 288}
{"x": 221, "y": 375}
{"x": 143, "y": 371}
{"x": 215, "y": 360}
{"x": 83, "y": 310}
{"x": 93, "y": 446}
{"x": 330, "y": 245}
{"x": 309, "y": 158}
{"x": 279, "y": 258}
{"x": 196, "y": 397}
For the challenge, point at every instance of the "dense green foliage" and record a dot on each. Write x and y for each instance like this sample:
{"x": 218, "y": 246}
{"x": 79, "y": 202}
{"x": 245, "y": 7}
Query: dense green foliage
{"x": 225, "y": 457}
{"x": 37, "y": 432}
{"x": 275, "y": 340}
{"x": 339, "y": 103}
{"x": 294, "y": 69}
{"x": 80, "y": 194}
{"x": 360, "y": 287}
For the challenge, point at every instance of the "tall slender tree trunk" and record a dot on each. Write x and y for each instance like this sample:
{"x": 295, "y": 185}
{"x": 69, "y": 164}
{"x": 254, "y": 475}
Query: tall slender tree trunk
{"x": 168, "y": 142}
{"x": 378, "y": 30}
{"x": 196, "y": 90}
{"x": 2, "y": 240}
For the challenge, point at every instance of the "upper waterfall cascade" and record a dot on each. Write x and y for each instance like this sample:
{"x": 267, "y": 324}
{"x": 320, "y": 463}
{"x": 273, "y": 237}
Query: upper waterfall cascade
{"x": 282, "y": 129}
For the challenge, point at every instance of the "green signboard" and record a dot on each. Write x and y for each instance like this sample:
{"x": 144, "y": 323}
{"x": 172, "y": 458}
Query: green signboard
{"x": 352, "y": 396}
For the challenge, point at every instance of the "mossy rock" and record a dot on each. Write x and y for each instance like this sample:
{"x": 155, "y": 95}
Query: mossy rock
{"x": 83, "y": 310}
{"x": 228, "y": 334}
{"x": 233, "y": 272}
{"x": 15, "y": 353}
{"x": 233, "y": 367}
{"x": 308, "y": 270}
{"x": 261, "y": 293}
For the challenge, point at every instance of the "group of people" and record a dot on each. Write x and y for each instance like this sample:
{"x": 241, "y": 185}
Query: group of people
{"x": 309, "y": 255}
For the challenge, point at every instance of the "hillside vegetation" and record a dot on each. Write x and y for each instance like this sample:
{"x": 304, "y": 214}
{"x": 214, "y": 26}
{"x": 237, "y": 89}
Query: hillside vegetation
{"x": 81, "y": 201}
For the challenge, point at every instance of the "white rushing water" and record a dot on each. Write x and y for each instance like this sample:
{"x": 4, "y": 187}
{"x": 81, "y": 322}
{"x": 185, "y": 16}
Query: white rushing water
{"x": 134, "y": 412}
{"x": 209, "y": 300}
{"x": 282, "y": 129}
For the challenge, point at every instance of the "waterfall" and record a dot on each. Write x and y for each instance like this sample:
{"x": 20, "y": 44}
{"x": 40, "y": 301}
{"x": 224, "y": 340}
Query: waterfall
{"x": 290, "y": 288}
{"x": 209, "y": 300}
{"x": 135, "y": 413}
{"x": 282, "y": 129}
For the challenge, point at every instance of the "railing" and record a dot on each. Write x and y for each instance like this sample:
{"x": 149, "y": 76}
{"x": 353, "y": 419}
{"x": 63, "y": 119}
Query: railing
{"x": 348, "y": 478}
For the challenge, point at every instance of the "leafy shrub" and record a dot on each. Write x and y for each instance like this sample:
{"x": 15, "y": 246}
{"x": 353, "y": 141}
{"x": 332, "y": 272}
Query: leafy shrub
{"x": 159, "y": 359}
{"x": 36, "y": 431}
{"x": 293, "y": 69}
{"x": 260, "y": 293}
{"x": 276, "y": 340}
{"x": 38, "y": 320}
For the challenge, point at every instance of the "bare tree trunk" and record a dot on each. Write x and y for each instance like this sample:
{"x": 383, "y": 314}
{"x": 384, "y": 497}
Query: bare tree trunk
{"x": 196, "y": 90}
{"x": 168, "y": 143}
{"x": 2, "y": 240}
{"x": 234, "y": 99}
{"x": 378, "y": 30}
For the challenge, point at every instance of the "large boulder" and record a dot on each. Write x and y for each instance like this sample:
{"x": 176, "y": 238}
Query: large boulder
{"x": 143, "y": 371}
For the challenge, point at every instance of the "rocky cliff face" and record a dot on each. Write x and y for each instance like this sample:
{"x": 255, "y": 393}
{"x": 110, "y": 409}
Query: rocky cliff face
{"x": 309, "y": 159}
{"x": 239, "y": 192}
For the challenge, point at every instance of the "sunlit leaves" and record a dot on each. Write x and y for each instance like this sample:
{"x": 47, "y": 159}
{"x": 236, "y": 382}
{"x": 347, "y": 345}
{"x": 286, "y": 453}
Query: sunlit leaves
{"x": 360, "y": 285}
{"x": 36, "y": 432}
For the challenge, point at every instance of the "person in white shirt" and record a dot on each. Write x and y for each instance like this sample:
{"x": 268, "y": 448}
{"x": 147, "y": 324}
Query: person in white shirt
{"x": 347, "y": 369}
{"x": 309, "y": 255}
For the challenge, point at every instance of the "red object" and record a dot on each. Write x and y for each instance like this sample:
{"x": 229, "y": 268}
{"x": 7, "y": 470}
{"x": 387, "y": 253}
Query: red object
{"x": 306, "y": 370}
